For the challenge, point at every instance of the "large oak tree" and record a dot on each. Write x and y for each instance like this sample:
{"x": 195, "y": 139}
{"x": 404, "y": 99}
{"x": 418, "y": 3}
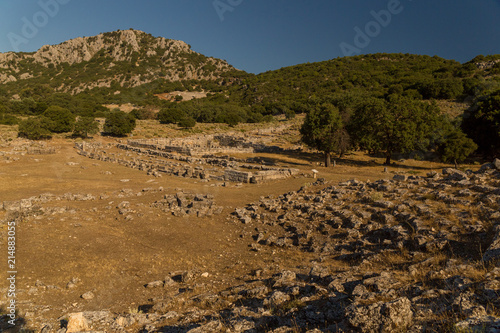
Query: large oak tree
{"x": 323, "y": 130}
{"x": 119, "y": 123}
{"x": 394, "y": 125}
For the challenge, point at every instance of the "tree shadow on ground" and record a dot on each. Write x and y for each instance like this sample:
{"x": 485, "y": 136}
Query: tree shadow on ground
{"x": 313, "y": 159}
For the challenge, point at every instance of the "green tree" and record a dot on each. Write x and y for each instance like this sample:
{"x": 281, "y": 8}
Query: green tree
{"x": 39, "y": 108}
{"x": 322, "y": 129}
{"x": 61, "y": 119}
{"x": 85, "y": 126}
{"x": 187, "y": 122}
{"x": 456, "y": 147}
{"x": 396, "y": 125}
{"x": 34, "y": 129}
{"x": 5, "y": 118}
{"x": 482, "y": 123}
{"x": 171, "y": 115}
{"x": 119, "y": 123}
{"x": 228, "y": 117}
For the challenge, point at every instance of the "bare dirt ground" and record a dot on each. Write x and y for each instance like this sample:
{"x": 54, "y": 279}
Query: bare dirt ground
{"x": 88, "y": 246}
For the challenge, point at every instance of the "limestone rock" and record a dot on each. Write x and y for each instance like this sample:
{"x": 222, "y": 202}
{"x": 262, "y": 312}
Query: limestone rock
{"x": 154, "y": 284}
{"x": 493, "y": 252}
{"x": 393, "y": 316}
{"x": 88, "y": 295}
{"x": 455, "y": 174}
{"x": 77, "y": 323}
{"x": 401, "y": 178}
{"x": 487, "y": 324}
{"x": 496, "y": 163}
{"x": 276, "y": 298}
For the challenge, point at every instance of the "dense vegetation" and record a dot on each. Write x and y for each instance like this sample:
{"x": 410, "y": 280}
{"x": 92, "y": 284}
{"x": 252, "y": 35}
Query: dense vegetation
{"x": 482, "y": 122}
{"x": 119, "y": 123}
{"x": 363, "y": 98}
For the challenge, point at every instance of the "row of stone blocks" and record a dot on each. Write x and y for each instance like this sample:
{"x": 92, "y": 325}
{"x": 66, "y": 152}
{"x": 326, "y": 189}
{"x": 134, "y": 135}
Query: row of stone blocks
{"x": 192, "y": 151}
{"x": 258, "y": 177}
{"x": 231, "y": 175}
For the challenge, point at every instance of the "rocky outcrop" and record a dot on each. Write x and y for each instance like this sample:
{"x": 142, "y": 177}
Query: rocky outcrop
{"x": 395, "y": 316}
{"x": 83, "y": 49}
{"x": 167, "y": 58}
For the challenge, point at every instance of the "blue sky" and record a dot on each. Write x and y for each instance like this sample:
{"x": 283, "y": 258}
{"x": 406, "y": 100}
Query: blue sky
{"x": 261, "y": 35}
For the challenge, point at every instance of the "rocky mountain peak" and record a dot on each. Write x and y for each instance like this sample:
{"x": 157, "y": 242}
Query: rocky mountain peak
{"x": 117, "y": 44}
{"x": 130, "y": 57}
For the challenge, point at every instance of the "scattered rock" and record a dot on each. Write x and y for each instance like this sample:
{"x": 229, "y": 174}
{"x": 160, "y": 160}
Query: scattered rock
{"x": 400, "y": 178}
{"x": 496, "y": 163}
{"x": 88, "y": 296}
{"x": 393, "y": 316}
{"x": 155, "y": 284}
{"x": 455, "y": 174}
{"x": 492, "y": 254}
{"x": 487, "y": 324}
{"x": 77, "y": 323}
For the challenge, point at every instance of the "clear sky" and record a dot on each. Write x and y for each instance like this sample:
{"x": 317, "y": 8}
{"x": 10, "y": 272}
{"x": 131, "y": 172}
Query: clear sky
{"x": 261, "y": 35}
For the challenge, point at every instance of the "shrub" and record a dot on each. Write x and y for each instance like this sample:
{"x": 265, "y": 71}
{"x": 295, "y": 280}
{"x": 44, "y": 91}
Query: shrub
{"x": 34, "y": 129}
{"x": 456, "y": 147}
{"x": 187, "y": 122}
{"x": 7, "y": 119}
{"x": 85, "y": 126}
{"x": 119, "y": 123}
{"x": 230, "y": 118}
{"x": 171, "y": 115}
{"x": 60, "y": 119}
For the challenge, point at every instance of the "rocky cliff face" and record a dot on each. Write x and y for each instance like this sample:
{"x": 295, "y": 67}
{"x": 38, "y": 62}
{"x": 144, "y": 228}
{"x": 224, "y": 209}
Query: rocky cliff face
{"x": 128, "y": 57}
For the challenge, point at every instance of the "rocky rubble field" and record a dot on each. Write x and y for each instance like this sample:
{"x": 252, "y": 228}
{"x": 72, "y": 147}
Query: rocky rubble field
{"x": 411, "y": 254}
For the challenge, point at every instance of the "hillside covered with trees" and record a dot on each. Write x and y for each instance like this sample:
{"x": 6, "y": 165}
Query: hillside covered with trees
{"x": 387, "y": 103}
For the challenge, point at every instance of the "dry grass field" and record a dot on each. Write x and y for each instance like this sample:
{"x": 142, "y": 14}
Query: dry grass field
{"x": 67, "y": 248}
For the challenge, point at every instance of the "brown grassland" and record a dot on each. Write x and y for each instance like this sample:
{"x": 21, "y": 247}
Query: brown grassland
{"x": 113, "y": 257}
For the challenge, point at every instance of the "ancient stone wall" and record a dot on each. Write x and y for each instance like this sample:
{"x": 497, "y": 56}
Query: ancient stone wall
{"x": 41, "y": 151}
{"x": 196, "y": 146}
{"x": 186, "y": 166}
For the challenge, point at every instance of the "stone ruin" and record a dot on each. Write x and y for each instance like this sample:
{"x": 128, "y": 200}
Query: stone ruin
{"x": 191, "y": 158}
{"x": 188, "y": 204}
{"x": 205, "y": 145}
{"x": 26, "y": 147}
{"x": 41, "y": 151}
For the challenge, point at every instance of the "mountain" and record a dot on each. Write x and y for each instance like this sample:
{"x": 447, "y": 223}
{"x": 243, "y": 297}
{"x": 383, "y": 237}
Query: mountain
{"x": 127, "y": 58}
{"x": 134, "y": 67}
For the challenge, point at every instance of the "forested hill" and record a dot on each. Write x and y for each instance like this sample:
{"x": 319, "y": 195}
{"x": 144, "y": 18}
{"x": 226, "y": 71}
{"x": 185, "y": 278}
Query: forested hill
{"x": 131, "y": 66}
{"x": 84, "y": 74}
{"x": 377, "y": 75}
